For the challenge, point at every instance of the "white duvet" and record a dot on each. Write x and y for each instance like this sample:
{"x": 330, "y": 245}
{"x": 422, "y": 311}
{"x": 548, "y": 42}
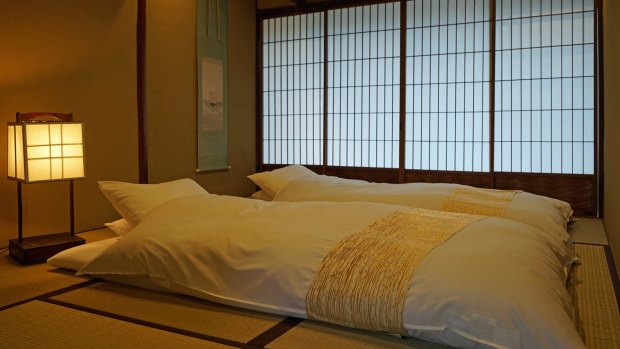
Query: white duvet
{"x": 497, "y": 283}
{"x": 547, "y": 214}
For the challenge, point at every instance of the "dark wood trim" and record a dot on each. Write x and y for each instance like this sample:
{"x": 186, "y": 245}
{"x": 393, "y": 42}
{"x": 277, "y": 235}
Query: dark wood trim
{"x": 259, "y": 95}
{"x": 263, "y": 339}
{"x": 402, "y": 124}
{"x": 492, "y": 38}
{"x": 299, "y": 3}
{"x": 20, "y": 213}
{"x": 20, "y": 117}
{"x": 71, "y": 209}
{"x": 150, "y": 324}
{"x": 316, "y": 7}
{"x": 38, "y": 249}
{"x": 325, "y": 90}
{"x": 477, "y": 179}
{"x": 53, "y": 293}
{"x": 383, "y": 175}
{"x": 143, "y": 154}
{"x": 599, "y": 112}
{"x": 578, "y": 190}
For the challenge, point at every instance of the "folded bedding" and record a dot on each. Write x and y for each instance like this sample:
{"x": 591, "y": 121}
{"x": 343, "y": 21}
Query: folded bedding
{"x": 544, "y": 213}
{"x": 76, "y": 257}
{"x": 464, "y": 280}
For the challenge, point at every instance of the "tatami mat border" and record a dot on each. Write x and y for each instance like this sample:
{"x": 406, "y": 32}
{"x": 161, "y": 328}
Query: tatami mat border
{"x": 153, "y": 325}
{"x": 258, "y": 342}
{"x": 45, "y": 296}
{"x": 263, "y": 339}
{"x": 615, "y": 279}
{"x": 613, "y": 272}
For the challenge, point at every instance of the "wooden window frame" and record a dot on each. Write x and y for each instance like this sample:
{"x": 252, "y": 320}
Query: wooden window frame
{"x": 582, "y": 191}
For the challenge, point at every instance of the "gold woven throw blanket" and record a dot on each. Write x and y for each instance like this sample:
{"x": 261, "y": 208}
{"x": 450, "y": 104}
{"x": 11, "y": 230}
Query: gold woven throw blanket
{"x": 485, "y": 202}
{"x": 364, "y": 280}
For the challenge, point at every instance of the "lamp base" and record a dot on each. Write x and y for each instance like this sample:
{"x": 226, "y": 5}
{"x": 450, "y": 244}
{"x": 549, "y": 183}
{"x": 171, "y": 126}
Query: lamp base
{"x": 37, "y": 249}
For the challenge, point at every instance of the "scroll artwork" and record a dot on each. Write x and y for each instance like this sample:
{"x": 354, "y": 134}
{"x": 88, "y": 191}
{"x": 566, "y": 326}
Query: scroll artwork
{"x": 212, "y": 118}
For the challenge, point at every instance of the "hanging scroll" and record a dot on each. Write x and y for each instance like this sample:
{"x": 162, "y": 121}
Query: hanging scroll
{"x": 212, "y": 118}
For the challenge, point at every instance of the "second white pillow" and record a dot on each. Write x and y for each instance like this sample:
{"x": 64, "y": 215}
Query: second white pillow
{"x": 273, "y": 181}
{"x": 120, "y": 226}
{"x": 134, "y": 201}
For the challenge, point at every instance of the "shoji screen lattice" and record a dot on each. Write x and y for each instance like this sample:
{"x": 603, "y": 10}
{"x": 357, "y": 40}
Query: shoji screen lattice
{"x": 492, "y": 93}
{"x": 447, "y": 85}
{"x": 544, "y": 80}
{"x": 293, "y": 89}
{"x": 363, "y": 85}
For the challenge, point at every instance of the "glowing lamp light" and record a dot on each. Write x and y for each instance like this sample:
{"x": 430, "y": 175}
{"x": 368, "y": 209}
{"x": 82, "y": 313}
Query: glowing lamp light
{"x": 45, "y": 151}
{"x": 44, "y": 147}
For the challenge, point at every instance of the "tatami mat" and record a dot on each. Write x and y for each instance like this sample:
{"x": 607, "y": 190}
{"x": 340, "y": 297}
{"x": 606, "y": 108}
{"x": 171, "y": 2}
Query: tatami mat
{"x": 47, "y": 279}
{"x": 312, "y": 335}
{"x": 595, "y": 300}
{"x": 37, "y": 325}
{"x": 180, "y": 312}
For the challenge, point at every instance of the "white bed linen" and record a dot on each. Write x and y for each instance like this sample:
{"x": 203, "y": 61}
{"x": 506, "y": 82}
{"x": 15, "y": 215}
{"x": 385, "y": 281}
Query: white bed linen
{"x": 497, "y": 283}
{"x": 76, "y": 257}
{"x": 547, "y": 214}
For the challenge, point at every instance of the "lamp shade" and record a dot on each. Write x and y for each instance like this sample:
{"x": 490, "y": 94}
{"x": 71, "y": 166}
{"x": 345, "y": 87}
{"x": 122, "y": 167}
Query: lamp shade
{"x": 45, "y": 151}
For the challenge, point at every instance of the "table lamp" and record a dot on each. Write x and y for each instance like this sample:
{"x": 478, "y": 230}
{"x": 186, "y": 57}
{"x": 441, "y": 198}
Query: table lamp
{"x": 44, "y": 147}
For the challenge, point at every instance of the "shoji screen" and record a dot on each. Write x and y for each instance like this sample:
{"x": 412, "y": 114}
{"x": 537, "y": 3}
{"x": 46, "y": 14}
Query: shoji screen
{"x": 363, "y": 86}
{"x": 544, "y": 118}
{"x": 293, "y": 89}
{"x": 491, "y": 93}
{"x": 447, "y": 114}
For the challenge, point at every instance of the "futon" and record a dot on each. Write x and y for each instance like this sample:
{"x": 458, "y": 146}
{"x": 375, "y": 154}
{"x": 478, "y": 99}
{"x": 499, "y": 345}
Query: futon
{"x": 470, "y": 281}
{"x": 295, "y": 183}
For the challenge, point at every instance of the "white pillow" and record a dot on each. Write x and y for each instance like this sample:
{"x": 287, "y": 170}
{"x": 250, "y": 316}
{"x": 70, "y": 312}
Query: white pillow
{"x": 120, "y": 226}
{"x": 261, "y": 195}
{"x": 134, "y": 201}
{"x": 75, "y": 258}
{"x": 273, "y": 181}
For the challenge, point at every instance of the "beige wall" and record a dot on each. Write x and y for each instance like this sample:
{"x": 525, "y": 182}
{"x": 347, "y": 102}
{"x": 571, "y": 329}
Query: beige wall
{"x": 611, "y": 47}
{"x": 69, "y": 56}
{"x": 79, "y": 56}
{"x": 171, "y": 94}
